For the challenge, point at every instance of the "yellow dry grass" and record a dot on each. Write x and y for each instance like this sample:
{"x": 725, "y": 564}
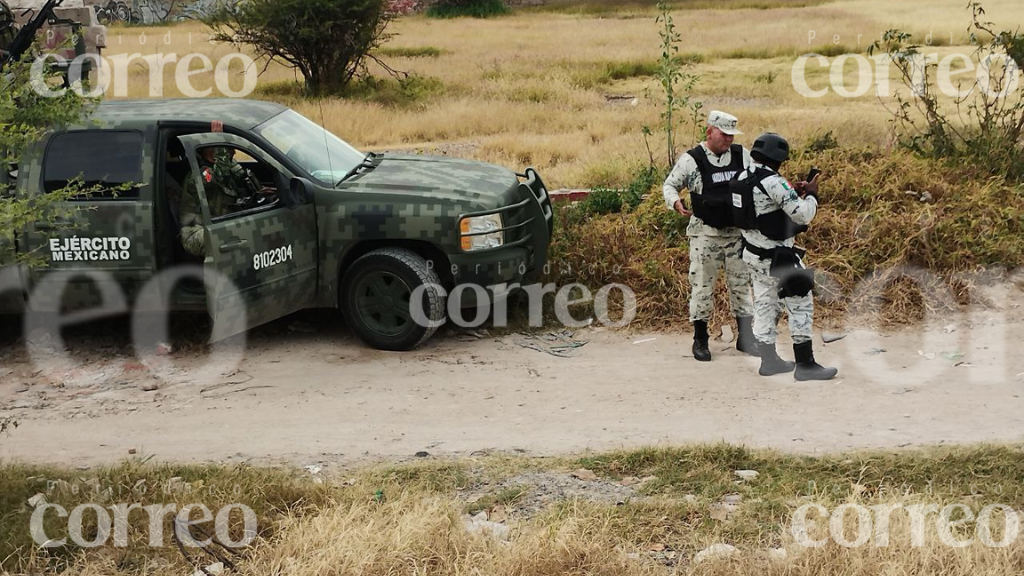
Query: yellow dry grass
{"x": 532, "y": 88}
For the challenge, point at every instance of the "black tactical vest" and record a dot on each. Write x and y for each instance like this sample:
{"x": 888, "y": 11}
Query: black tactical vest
{"x": 714, "y": 204}
{"x": 775, "y": 225}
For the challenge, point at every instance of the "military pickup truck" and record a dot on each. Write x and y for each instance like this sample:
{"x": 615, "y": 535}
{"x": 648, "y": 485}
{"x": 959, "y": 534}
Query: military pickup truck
{"x": 332, "y": 226}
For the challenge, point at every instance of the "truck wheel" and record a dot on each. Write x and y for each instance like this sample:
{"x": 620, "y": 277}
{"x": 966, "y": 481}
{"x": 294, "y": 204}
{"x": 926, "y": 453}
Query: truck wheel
{"x": 375, "y": 298}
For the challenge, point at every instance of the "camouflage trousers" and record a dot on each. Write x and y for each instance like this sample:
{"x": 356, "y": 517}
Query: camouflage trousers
{"x": 708, "y": 254}
{"x": 768, "y": 307}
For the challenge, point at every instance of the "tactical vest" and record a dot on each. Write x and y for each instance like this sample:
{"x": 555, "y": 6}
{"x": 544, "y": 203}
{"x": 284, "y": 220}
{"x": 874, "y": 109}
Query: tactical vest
{"x": 714, "y": 204}
{"x": 775, "y": 225}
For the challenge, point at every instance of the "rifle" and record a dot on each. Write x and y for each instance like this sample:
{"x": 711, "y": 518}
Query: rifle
{"x": 23, "y": 41}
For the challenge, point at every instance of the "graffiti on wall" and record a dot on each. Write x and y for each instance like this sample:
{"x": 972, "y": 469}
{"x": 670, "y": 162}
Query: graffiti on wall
{"x": 152, "y": 11}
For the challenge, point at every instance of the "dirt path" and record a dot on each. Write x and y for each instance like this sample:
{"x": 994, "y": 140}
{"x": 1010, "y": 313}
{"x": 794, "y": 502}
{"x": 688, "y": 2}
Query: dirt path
{"x": 306, "y": 392}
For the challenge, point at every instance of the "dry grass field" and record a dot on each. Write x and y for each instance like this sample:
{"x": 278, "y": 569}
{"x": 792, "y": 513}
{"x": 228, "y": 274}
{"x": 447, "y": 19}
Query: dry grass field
{"x": 539, "y": 87}
{"x": 410, "y": 519}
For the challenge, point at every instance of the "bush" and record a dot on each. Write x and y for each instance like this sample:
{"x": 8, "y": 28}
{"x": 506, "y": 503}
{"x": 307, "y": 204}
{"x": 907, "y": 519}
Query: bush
{"x": 327, "y": 41}
{"x": 988, "y": 129}
{"x": 468, "y": 8}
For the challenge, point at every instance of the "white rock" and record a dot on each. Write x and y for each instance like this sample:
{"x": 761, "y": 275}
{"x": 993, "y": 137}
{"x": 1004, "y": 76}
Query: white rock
{"x": 747, "y": 474}
{"x": 727, "y": 335}
{"x": 777, "y": 553}
{"x": 498, "y": 531}
{"x": 691, "y": 499}
{"x": 714, "y": 551}
{"x": 37, "y": 500}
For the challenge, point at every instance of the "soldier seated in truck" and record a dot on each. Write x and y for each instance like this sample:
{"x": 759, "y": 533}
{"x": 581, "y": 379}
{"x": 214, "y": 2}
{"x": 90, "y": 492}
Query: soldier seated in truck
{"x": 229, "y": 188}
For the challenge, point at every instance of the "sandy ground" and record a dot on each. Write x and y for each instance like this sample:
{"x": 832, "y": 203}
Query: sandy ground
{"x": 303, "y": 390}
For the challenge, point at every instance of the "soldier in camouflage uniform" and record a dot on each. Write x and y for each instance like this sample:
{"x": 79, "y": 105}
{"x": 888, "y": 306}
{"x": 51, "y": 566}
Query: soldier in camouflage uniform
{"x": 776, "y": 267}
{"x": 228, "y": 189}
{"x": 705, "y": 171}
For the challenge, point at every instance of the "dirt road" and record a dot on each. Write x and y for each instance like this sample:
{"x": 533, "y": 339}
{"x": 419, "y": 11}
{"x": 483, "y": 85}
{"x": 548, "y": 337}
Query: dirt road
{"x": 306, "y": 391}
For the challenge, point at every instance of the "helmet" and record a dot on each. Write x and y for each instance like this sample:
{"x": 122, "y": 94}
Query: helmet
{"x": 772, "y": 146}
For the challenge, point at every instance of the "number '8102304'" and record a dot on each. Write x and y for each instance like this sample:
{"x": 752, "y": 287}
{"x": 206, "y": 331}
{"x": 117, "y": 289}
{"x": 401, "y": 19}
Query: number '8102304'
{"x": 271, "y": 257}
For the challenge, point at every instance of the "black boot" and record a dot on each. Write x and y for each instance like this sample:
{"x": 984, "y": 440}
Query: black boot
{"x": 700, "y": 341}
{"x": 745, "y": 341}
{"x": 771, "y": 364}
{"x": 806, "y": 367}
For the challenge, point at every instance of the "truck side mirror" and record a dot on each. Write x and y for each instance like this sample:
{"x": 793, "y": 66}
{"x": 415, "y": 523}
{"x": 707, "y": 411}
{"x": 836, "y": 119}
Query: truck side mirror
{"x": 300, "y": 193}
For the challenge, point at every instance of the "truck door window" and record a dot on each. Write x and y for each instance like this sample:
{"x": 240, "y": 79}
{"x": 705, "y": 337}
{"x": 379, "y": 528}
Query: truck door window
{"x": 106, "y": 158}
{"x": 236, "y": 183}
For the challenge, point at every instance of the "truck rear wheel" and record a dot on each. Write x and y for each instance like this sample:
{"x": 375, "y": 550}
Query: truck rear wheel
{"x": 376, "y": 298}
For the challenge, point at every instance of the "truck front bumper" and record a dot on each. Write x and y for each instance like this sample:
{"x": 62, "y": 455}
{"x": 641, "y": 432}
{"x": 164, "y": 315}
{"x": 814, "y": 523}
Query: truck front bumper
{"x": 528, "y": 227}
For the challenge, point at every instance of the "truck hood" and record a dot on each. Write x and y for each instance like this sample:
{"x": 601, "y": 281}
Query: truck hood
{"x": 479, "y": 183}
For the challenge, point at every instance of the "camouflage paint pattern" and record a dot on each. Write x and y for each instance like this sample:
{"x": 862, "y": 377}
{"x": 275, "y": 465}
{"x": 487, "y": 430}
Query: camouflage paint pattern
{"x": 768, "y": 307}
{"x": 411, "y": 201}
{"x": 776, "y": 193}
{"x": 708, "y": 255}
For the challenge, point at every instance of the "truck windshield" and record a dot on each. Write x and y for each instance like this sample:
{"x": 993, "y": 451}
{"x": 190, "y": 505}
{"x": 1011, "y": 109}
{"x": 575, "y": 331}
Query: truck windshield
{"x": 322, "y": 154}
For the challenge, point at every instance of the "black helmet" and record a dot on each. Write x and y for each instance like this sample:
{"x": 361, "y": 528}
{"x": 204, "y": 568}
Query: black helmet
{"x": 772, "y": 146}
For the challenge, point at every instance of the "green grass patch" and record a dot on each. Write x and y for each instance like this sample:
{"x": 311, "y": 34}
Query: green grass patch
{"x": 387, "y": 91}
{"x": 641, "y": 8}
{"x": 771, "y": 52}
{"x": 468, "y": 9}
{"x": 588, "y": 75}
{"x": 411, "y": 52}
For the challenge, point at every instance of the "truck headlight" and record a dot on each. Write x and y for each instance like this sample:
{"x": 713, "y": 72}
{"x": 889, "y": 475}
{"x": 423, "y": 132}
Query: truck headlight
{"x": 478, "y": 224}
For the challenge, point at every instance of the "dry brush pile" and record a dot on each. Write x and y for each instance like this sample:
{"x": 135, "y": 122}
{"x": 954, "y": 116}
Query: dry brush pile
{"x": 895, "y": 236}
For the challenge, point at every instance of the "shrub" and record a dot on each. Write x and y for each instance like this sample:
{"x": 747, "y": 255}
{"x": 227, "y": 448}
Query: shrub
{"x": 327, "y": 41}
{"x": 467, "y": 8}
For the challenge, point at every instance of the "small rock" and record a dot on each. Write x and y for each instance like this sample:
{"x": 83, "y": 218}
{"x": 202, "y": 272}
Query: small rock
{"x": 633, "y": 555}
{"x": 747, "y": 475}
{"x": 657, "y": 547}
{"x": 37, "y": 500}
{"x": 351, "y": 482}
{"x": 21, "y": 388}
{"x": 585, "y": 475}
{"x": 714, "y": 551}
{"x": 829, "y": 337}
{"x": 213, "y": 569}
{"x": 721, "y": 512}
{"x": 691, "y": 499}
{"x": 875, "y": 351}
{"x": 629, "y": 481}
{"x": 83, "y": 467}
{"x": 422, "y": 454}
{"x": 150, "y": 386}
{"x": 926, "y": 197}
{"x": 164, "y": 349}
{"x": 732, "y": 498}
{"x": 313, "y": 469}
{"x": 777, "y": 553}
{"x": 132, "y": 451}
{"x": 727, "y": 335}
{"x": 498, "y": 531}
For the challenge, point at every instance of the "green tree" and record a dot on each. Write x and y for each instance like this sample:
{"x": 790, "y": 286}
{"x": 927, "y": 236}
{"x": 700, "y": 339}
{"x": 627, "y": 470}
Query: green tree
{"x": 327, "y": 41}
{"x": 25, "y": 116}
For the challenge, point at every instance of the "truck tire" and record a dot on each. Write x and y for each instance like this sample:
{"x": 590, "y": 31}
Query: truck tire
{"x": 375, "y": 298}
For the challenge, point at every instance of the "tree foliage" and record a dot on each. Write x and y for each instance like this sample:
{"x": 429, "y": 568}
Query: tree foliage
{"x": 25, "y": 116}
{"x": 988, "y": 127}
{"x": 327, "y": 41}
